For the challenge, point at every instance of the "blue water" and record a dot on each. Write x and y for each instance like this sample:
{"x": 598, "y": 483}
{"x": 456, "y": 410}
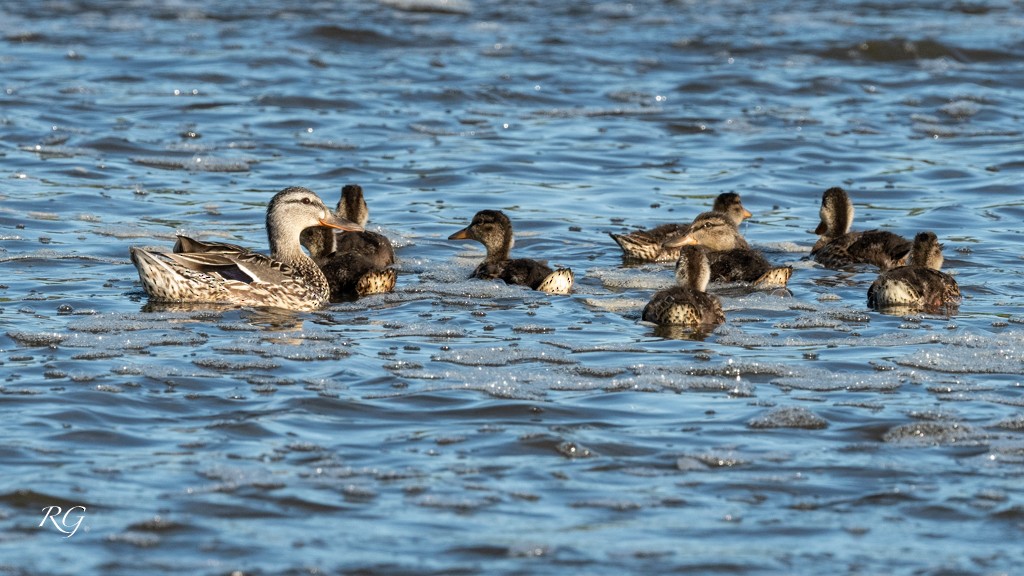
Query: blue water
{"x": 458, "y": 426}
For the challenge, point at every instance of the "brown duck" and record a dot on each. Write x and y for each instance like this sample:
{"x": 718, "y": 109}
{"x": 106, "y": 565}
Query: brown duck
{"x": 920, "y": 285}
{"x": 688, "y": 303}
{"x": 837, "y": 247}
{"x": 215, "y": 272}
{"x": 731, "y": 258}
{"x": 493, "y": 229}
{"x": 356, "y": 264}
{"x": 649, "y": 245}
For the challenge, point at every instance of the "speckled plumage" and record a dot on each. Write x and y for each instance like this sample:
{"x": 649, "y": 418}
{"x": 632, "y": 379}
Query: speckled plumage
{"x": 730, "y": 257}
{"x": 649, "y": 245}
{"x": 493, "y": 229}
{"x": 199, "y": 271}
{"x": 837, "y": 247}
{"x": 920, "y": 285}
{"x": 355, "y": 263}
{"x": 688, "y": 303}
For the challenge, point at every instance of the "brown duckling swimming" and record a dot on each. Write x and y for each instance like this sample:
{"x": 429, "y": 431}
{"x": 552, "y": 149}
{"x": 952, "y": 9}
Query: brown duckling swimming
{"x": 649, "y": 245}
{"x": 730, "y": 257}
{"x": 918, "y": 286}
{"x": 838, "y": 247}
{"x": 355, "y": 264}
{"x": 493, "y": 229}
{"x": 688, "y": 303}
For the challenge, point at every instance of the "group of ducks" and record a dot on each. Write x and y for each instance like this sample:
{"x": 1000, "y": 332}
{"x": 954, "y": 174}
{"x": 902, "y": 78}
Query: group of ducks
{"x": 345, "y": 261}
{"x": 712, "y": 249}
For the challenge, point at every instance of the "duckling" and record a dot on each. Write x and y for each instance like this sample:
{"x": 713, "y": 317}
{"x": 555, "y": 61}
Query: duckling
{"x": 687, "y": 303}
{"x": 730, "y": 257}
{"x": 226, "y": 273}
{"x": 918, "y": 285}
{"x": 355, "y": 263}
{"x": 649, "y": 245}
{"x": 493, "y": 229}
{"x": 838, "y": 247}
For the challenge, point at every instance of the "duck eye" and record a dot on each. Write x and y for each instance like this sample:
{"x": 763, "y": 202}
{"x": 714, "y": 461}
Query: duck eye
{"x": 307, "y": 201}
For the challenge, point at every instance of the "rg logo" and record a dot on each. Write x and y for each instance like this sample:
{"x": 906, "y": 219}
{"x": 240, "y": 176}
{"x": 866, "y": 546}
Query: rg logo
{"x": 61, "y": 523}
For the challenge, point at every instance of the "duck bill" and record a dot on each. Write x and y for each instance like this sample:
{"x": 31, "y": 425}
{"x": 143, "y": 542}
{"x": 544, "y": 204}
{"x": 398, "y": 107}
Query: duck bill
{"x": 821, "y": 229}
{"x": 332, "y": 221}
{"x": 746, "y": 214}
{"x": 461, "y": 235}
{"x": 677, "y": 242}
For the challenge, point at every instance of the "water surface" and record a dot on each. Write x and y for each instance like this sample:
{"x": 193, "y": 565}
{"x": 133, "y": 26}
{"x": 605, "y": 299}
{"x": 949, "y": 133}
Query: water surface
{"x": 459, "y": 426}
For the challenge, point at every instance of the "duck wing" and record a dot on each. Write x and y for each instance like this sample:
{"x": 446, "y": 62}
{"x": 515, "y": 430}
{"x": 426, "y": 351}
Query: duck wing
{"x": 520, "y": 271}
{"x": 737, "y": 265}
{"x": 646, "y": 245}
{"x": 188, "y": 245}
{"x": 247, "y": 267}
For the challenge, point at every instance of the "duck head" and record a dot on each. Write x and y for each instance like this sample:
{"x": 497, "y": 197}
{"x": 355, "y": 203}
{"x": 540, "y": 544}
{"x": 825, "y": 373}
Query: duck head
{"x": 836, "y": 213}
{"x": 712, "y": 230}
{"x": 492, "y": 229}
{"x": 693, "y": 270}
{"x": 926, "y": 251}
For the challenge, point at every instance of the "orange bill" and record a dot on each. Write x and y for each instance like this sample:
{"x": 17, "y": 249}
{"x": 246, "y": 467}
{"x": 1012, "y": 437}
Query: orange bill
{"x": 332, "y": 221}
{"x": 679, "y": 241}
{"x": 461, "y": 235}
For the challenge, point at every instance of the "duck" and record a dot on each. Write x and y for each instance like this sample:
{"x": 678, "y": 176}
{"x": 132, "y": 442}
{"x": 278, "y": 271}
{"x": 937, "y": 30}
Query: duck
{"x": 919, "y": 285}
{"x": 214, "y": 272}
{"x": 356, "y": 264}
{"x": 837, "y": 247}
{"x": 688, "y": 303}
{"x": 729, "y": 255}
{"x": 493, "y": 229}
{"x": 649, "y": 245}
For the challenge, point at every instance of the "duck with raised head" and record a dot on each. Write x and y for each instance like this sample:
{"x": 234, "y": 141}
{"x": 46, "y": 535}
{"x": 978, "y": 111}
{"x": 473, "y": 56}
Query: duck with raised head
{"x": 730, "y": 257}
{"x": 688, "y": 303}
{"x": 493, "y": 229}
{"x": 837, "y": 247}
{"x": 649, "y": 245}
{"x": 356, "y": 264}
{"x": 226, "y": 273}
{"x": 919, "y": 285}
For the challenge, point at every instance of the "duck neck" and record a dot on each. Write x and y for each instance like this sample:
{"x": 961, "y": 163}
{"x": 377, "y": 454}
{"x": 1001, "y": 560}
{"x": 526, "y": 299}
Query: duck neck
{"x": 286, "y": 248}
{"x": 499, "y": 249}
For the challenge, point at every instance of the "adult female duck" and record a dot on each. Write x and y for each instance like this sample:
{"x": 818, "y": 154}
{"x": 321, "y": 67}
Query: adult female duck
{"x": 493, "y": 229}
{"x": 730, "y": 257}
{"x": 649, "y": 245}
{"x": 226, "y": 273}
{"x": 838, "y": 247}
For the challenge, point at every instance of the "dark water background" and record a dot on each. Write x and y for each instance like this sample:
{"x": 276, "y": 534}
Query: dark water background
{"x": 462, "y": 427}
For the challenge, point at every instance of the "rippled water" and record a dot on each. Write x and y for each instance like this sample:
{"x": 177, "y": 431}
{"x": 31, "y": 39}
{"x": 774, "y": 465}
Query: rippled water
{"x": 460, "y": 426}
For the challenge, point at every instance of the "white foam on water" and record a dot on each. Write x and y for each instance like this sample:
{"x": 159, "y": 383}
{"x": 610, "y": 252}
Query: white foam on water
{"x": 648, "y": 277}
{"x": 932, "y": 433}
{"x": 822, "y": 380}
{"x": 789, "y": 417}
{"x": 618, "y": 305}
{"x": 300, "y": 351}
{"x": 36, "y": 339}
{"x": 971, "y": 354}
{"x": 657, "y": 382}
{"x": 501, "y": 356}
{"x": 423, "y": 331}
